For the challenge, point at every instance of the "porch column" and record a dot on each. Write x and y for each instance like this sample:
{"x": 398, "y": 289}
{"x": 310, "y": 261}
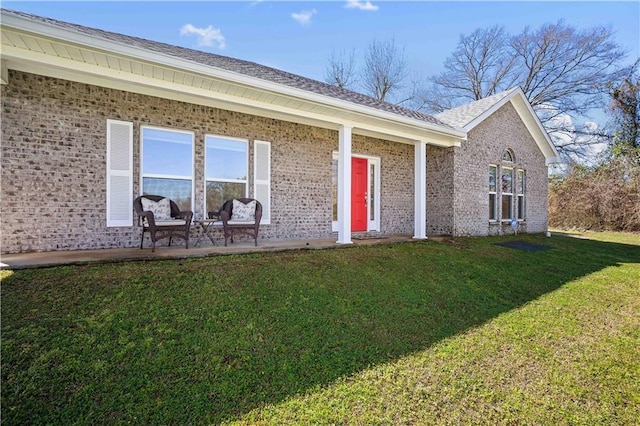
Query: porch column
{"x": 344, "y": 185}
{"x": 420, "y": 185}
{"x": 4, "y": 72}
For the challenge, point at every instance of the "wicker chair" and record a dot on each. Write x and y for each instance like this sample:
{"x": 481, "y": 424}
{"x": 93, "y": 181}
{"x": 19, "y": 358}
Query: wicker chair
{"x": 177, "y": 224}
{"x": 232, "y": 225}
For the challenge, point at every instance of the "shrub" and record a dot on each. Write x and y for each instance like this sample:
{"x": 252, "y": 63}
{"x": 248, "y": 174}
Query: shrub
{"x": 604, "y": 197}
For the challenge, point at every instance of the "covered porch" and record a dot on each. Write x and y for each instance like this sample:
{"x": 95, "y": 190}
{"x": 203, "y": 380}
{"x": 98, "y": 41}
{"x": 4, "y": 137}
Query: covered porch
{"x": 177, "y": 251}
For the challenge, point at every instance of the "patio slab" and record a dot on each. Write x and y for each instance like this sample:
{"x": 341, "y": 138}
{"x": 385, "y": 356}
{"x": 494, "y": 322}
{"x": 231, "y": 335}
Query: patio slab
{"x": 83, "y": 257}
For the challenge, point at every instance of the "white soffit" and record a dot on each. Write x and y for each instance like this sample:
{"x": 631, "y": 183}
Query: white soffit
{"x": 51, "y": 51}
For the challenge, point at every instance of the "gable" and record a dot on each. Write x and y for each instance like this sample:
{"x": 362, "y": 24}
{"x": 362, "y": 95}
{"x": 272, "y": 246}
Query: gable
{"x": 468, "y": 117}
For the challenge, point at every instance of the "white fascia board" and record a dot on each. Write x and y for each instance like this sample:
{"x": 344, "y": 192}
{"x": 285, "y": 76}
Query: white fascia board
{"x": 528, "y": 116}
{"x": 479, "y": 119}
{"x": 531, "y": 120}
{"x": 57, "y": 67}
{"x": 50, "y": 31}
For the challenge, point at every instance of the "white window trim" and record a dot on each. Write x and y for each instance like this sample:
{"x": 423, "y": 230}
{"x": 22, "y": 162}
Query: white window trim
{"x": 495, "y": 200}
{"x": 372, "y": 225}
{"x": 266, "y": 182}
{"x": 164, "y": 176}
{"x": 518, "y": 195}
{"x": 502, "y": 194}
{"x": 214, "y": 179}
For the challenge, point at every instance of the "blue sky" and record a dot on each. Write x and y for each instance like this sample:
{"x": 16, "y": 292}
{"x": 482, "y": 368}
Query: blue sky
{"x": 299, "y": 36}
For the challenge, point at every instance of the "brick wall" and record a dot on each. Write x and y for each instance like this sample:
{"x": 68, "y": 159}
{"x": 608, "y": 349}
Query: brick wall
{"x": 485, "y": 145}
{"x": 53, "y": 165}
{"x": 439, "y": 190}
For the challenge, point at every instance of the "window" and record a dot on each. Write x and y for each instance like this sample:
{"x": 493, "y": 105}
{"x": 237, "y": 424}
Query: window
{"x": 520, "y": 189}
{"x": 167, "y": 165}
{"x": 493, "y": 192}
{"x": 226, "y": 165}
{"x": 507, "y": 192}
{"x": 372, "y": 191}
{"x": 506, "y": 195}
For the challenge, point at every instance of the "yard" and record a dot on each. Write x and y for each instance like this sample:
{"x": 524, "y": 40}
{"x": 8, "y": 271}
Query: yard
{"x": 452, "y": 332}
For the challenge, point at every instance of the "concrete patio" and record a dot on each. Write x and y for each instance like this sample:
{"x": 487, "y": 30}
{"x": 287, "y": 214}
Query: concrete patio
{"x": 84, "y": 257}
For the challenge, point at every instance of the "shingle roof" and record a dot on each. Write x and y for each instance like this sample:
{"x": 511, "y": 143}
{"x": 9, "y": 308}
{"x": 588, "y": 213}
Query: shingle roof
{"x": 246, "y": 68}
{"x": 461, "y": 116}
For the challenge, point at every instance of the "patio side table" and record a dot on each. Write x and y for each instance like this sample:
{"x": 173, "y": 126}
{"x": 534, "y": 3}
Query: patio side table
{"x": 207, "y": 228}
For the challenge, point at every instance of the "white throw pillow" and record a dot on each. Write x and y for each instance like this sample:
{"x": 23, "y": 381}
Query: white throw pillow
{"x": 243, "y": 212}
{"x": 161, "y": 209}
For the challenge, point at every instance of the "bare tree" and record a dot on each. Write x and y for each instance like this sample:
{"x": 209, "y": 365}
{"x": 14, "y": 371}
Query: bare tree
{"x": 563, "y": 72}
{"x": 565, "y": 68}
{"x": 381, "y": 76}
{"x": 480, "y": 66}
{"x": 341, "y": 70}
{"x": 385, "y": 68}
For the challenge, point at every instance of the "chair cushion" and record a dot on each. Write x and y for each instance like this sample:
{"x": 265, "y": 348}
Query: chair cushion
{"x": 242, "y": 222}
{"x": 161, "y": 209}
{"x": 173, "y": 222}
{"x": 243, "y": 212}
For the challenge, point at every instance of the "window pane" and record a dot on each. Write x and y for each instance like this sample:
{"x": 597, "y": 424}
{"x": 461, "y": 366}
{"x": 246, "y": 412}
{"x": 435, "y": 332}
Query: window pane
{"x": 219, "y": 192}
{"x": 520, "y": 207}
{"x": 506, "y": 206}
{"x": 520, "y": 182}
{"x": 178, "y": 190}
{"x": 507, "y": 156}
{"x": 372, "y": 192}
{"x": 493, "y": 174}
{"x": 167, "y": 153}
{"x": 493, "y": 215}
{"x": 507, "y": 180}
{"x": 226, "y": 159}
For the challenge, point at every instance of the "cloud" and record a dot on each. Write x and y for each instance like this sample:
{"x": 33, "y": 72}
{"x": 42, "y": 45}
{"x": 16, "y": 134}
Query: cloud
{"x": 579, "y": 142}
{"x": 362, "y": 5}
{"x": 304, "y": 17}
{"x": 206, "y": 36}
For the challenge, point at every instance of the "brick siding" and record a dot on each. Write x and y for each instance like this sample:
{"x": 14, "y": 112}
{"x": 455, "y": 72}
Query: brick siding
{"x": 53, "y": 165}
{"x": 485, "y": 145}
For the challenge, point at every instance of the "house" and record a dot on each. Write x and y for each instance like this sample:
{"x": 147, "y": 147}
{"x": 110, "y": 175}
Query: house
{"x": 92, "y": 119}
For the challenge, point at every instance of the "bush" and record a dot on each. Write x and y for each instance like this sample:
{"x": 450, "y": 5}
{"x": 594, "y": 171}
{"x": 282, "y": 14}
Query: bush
{"x": 604, "y": 197}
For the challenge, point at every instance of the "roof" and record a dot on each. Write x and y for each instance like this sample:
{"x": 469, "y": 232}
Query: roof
{"x": 468, "y": 116}
{"x": 239, "y": 66}
{"x": 464, "y": 115}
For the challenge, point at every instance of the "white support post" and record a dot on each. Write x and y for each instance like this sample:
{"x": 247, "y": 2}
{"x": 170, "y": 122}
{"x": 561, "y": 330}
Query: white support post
{"x": 4, "y": 72}
{"x": 344, "y": 185}
{"x": 420, "y": 185}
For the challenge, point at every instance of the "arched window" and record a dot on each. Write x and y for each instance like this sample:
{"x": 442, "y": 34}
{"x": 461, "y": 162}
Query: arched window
{"x": 506, "y": 189}
{"x": 508, "y": 156}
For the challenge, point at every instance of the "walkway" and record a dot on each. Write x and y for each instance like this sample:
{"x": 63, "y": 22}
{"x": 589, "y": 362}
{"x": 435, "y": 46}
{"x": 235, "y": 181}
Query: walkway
{"x": 83, "y": 257}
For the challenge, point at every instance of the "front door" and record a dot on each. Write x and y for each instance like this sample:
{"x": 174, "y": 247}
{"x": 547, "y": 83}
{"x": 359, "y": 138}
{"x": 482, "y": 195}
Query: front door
{"x": 359, "y": 184}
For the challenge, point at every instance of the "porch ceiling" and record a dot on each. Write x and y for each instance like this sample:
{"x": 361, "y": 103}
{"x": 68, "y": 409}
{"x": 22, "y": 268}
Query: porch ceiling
{"x": 42, "y": 49}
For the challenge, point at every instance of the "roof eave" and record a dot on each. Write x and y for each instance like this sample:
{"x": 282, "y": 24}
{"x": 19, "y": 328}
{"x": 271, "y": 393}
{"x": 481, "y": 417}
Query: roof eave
{"x": 44, "y": 29}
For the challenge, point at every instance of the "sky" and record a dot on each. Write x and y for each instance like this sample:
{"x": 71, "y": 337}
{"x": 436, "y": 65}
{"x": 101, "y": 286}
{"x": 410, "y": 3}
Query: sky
{"x": 299, "y": 36}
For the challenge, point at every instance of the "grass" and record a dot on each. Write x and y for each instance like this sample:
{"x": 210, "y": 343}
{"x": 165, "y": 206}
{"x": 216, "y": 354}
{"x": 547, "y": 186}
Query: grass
{"x": 457, "y": 332}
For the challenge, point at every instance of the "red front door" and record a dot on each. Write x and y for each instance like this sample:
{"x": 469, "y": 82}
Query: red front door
{"x": 359, "y": 167}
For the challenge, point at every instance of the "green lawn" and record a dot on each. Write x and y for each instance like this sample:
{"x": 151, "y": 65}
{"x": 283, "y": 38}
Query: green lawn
{"x": 453, "y": 332}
